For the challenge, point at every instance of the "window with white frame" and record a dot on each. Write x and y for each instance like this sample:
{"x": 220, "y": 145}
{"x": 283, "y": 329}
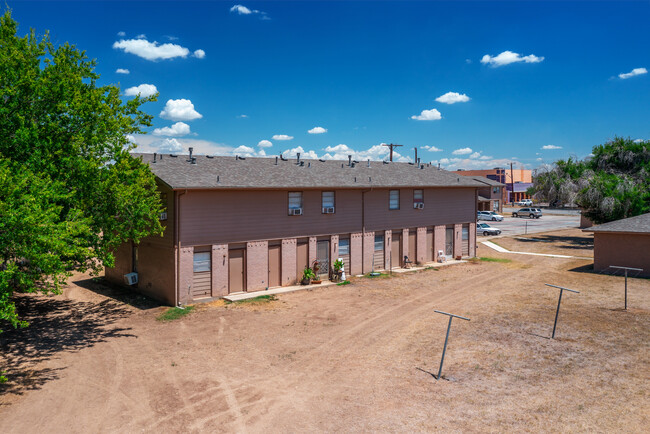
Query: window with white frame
{"x": 327, "y": 201}
{"x": 495, "y": 189}
{"x": 379, "y": 242}
{"x": 295, "y": 200}
{"x": 344, "y": 246}
{"x": 393, "y": 201}
{"x": 418, "y": 196}
{"x": 202, "y": 261}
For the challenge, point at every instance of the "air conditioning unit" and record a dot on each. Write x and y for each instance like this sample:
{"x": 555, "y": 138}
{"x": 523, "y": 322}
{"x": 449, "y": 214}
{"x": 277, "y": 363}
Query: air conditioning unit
{"x": 418, "y": 205}
{"x": 163, "y": 216}
{"x": 295, "y": 211}
{"x": 131, "y": 278}
{"x": 328, "y": 210}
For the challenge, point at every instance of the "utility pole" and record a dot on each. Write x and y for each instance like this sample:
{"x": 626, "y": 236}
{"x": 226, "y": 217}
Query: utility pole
{"x": 391, "y": 146}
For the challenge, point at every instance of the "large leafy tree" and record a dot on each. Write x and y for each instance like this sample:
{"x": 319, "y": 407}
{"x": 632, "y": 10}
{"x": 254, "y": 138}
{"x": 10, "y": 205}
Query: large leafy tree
{"x": 70, "y": 192}
{"x": 611, "y": 184}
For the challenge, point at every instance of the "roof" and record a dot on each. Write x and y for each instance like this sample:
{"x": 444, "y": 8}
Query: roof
{"x": 483, "y": 199}
{"x": 263, "y": 173}
{"x": 638, "y": 224}
{"x": 487, "y": 181}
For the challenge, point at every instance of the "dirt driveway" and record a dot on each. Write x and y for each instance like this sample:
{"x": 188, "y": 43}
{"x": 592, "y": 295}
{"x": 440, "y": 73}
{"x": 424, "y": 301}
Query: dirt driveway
{"x": 345, "y": 358}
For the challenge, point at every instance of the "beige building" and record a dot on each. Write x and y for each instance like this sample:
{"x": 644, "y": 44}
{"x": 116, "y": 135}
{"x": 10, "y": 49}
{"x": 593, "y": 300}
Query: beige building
{"x": 623, "y": 243}
{"x": 235, "y": 224}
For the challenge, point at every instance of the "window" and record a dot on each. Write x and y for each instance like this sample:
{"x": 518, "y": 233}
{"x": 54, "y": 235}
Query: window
{"x": 295, "y": 200}
{"x": 393, "y": 202}
{"x": 344, "y": 246}
{"x": 202, "y": 261}
{"x": 496, "y": 189}
{"x": 465, "y": 233}
{"x": 496, "y": 205}
{"x": 379, "y": 242}
{"x": 327, "y": 201}
{"x": 418, "y": 196}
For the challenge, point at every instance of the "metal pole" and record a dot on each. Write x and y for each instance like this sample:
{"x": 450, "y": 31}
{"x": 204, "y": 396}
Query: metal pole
{"x": 526, "y": 227}
{"x": 626, "y": 289}
{"x": 557, "y": 313}
{"x": 444, "y": 349}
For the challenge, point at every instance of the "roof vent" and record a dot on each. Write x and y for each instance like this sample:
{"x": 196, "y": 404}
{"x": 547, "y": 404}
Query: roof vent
{"x": 421, "y": 166}
{"x": 349, "y": 160}
{"x": 369, "y": 179}
{"x": 309, "y": 164}
{"x": 276, "y": 160}
{"x": 385, "y": 162}
{"x": 302, "y": 163}
{"x": 321, "y": 160}
{"x": 368, "y": 162}
{"x": 191, "y": 150}
{"x": 154, "y": 157}
{"x": 218, "y": 181}
{"x": 355, "y": 179}
{"x": 283, "y": 159}
{"x": 297, "y": 157}
{"x": 193, "y": 160}
{"x": 173, "y": 155}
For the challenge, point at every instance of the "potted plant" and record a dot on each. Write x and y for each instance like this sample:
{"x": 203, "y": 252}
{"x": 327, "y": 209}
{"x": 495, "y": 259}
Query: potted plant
{"x": 307, "y": 276}
{"x": 315, "y": 266}
{"x": 338, "y": 269}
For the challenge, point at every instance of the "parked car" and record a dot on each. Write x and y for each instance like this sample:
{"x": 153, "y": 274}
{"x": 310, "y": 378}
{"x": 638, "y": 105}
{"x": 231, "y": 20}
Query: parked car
{"x": 528, "y": 212}
{"x": 490, "y": 215}
{"x": 524, "y": 202}
{"x": 486, "y": 229}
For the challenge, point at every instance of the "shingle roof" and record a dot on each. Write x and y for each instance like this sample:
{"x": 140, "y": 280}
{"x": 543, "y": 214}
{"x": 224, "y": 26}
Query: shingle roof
{"x": 638, "y": 224}
{"x": 262, "y": 173}
{"x": 488, "y": 181}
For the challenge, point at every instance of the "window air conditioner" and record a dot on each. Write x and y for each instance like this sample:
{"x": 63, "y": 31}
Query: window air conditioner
{"x": 418, "y": 205}
{"x": 295, "y": 211}
{"x": 131, "y": 278}
{"x": 328, "y": 210}
{"x": 163, "y": 216}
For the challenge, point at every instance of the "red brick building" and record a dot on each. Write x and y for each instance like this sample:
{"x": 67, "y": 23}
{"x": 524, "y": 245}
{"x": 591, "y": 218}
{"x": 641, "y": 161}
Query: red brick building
{"x": 235, "y": 224}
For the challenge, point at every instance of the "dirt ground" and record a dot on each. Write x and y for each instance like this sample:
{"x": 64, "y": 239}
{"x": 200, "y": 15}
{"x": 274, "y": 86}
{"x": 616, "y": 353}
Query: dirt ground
{"x": 343, "y": 358}
{"x": 571, "y": 242}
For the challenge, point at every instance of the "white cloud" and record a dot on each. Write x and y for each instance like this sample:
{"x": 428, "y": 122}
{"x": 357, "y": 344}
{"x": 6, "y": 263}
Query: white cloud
{"x": 242, "y": 116}
{"x": 452, "y": 98}
{"x": 180, "y": 110}
{"x": 241, "y": 10}
{"x": 151, "y": 50}
{"x": 638, "y": 140}
{"x": 338, "y": 148}
{"x": 121, "y": 34}
{"x": 475, "y": 155}
{"x": 547, "y": 147}
{"x": 122, "y": 71}
{"x": 634, "y": 72}
{"x": 317, "y": 130}
{"x": 177, "y": 129}
{"x": 282, "y": 137}
{"x": 244, "y": 149}
{"x": 508, "y": 57}
{"x": 141, "y": 36}
{"x": 303, "y": 154}
{"x": 473, "y": 164}
{"x": 428, "y": 115}
{"x": 462, "y": 151}
{"x": 265, "y": 144}
{"x": 485, "y": 157}
{"x": 199, "y": 54}
{"x": 431, "y": 148}
{"x": 374, "y": 153}
{"x": 170, "y": 146}
{"x": 144, "y": 90}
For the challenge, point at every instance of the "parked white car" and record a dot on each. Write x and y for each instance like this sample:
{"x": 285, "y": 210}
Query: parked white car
{"x": 486, "y": 229}
{"x": 524, "y": 202}
{"x": 490, "y": 216}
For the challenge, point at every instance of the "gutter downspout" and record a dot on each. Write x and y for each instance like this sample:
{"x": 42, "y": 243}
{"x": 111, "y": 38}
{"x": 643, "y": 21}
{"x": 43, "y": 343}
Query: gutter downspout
{"x": 177, "y": 212}
{"x": 363, "y": 226}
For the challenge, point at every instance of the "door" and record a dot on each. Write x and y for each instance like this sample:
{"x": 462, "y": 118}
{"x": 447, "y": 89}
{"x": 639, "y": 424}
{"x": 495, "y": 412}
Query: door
{"x": 236, "y": 268}
{"x": 428, "y": 257}
{"x": 302, "y": 258}
{"x": 465, "y": 240}
{"x": 449, "y": 241}
{"x": 378, "y": 256}
{"x": 413, "y": 246}
{"x": 323, "y": 258}
{"x": 344, "y": 254}
{"x": 396, "y": 250}
{"x": 275, "y": 271}
{"x": 202, "y": 276}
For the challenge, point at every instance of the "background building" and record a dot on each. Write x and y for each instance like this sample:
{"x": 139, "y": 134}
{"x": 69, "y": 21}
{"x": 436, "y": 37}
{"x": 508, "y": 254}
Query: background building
{"x": 516, "y": 181}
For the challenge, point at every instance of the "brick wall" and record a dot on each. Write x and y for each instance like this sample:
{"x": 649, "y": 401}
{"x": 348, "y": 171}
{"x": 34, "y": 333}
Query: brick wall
{"x": 458, "y": 240}
{"x": 368, "y": 251}
{"x": 421, "y": 238}
{"x": 219, "y": 270}
{"x": 186, "y": 272}
{"x": 356, "y": 261}
{"x": 257, "y": 265}
{"x": 438, "y": 240}
{"x": 289, "y": 262}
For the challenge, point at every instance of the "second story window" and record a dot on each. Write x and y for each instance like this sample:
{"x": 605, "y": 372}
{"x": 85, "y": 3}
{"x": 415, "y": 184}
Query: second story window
{"x": 393, "y": 201}
{"x": 327, "y": 200}
{"x": 495, "y": 190}
{"x": 418, "y": 199}
{"x": 295, "y": 203}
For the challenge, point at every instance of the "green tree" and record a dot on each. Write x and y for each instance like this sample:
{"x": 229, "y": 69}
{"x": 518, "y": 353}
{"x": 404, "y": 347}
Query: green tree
{"x": 70, "y": 192}
{"x": 612, "y": 184}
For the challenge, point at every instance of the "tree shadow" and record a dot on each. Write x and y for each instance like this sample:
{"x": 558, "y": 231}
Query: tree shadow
{"x": 123, "y": 294}
{"x": 567, "y": 242}
{"x": 55, "y": 326}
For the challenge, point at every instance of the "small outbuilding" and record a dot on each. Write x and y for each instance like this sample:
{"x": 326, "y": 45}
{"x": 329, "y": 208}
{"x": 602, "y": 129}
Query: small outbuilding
{"x": 624, "y": 243}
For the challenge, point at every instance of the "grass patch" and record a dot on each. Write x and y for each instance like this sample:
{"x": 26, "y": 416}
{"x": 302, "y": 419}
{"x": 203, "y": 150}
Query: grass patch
{"x": 378, "y": 276}
{"x": 257, "y": 300}
{"x": 505, "y": 261}
{"x": 174, "y": 313}
{"x": 345, "y": 282}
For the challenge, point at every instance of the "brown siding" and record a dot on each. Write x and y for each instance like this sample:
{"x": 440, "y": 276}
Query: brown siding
{"x": 623, "y": 250}
{"x": 213, "y": 217}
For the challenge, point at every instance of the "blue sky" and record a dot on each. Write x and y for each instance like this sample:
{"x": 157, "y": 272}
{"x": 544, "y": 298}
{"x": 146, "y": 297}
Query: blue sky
{"x": 530, "y": 81}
